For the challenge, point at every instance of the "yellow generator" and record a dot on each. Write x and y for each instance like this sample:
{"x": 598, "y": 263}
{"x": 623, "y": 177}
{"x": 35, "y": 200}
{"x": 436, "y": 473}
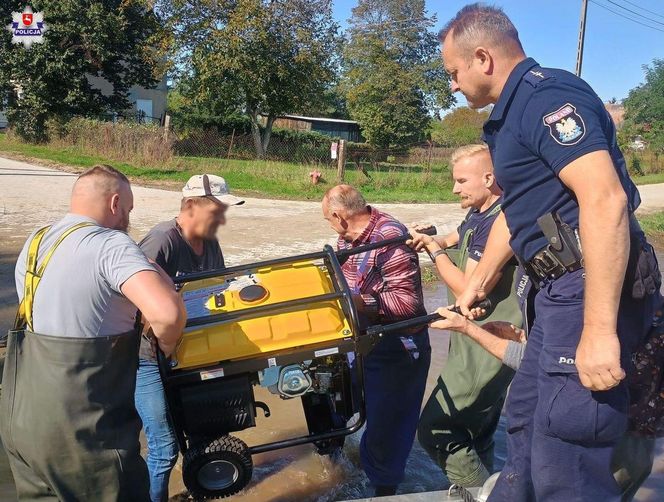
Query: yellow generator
{"x": 287, "y": 325}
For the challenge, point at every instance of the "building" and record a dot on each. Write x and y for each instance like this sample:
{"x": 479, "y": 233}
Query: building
{"x": 147, "y": 105}
{"x": 335, "y": 128}
{"x": 617, "y": 112}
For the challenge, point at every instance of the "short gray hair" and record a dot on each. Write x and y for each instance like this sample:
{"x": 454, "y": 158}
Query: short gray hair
{"x": 479, "y": 23}
{"x": 346, "y": 197}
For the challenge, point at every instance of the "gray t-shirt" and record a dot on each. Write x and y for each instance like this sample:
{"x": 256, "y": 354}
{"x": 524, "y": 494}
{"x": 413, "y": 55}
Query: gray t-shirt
{"x": 168, "y": 248}
{"x": 79, "y": 294}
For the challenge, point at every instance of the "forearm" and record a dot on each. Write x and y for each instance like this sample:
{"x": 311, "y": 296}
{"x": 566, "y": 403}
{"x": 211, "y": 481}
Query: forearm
{"x": 450, "y": 274}
{"x": 494, "y": 345}
{"x": 496, "y": 254}
{"x": 601, "y": 238}
{"x": 168, "y": 329}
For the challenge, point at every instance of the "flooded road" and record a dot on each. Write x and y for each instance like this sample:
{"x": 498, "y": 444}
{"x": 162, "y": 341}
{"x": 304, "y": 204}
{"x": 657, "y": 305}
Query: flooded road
{"x": 295, "y": 474}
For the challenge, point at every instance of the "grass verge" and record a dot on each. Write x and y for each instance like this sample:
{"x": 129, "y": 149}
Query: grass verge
{"x": 653, "y": 225}
{"x": 260, "y": 178}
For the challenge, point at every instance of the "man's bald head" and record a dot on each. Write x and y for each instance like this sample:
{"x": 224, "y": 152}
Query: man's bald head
{"x": 100, "y": 181}
{"x": 345, "y": 198}
{"x": 345, "y": 210}
{"x": 104, "y": 194}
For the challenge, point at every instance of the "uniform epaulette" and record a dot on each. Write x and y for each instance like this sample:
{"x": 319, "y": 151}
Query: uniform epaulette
{"x": 536, "y": 76}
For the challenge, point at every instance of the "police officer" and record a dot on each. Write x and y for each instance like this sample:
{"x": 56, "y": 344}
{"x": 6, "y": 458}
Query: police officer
{"x": 67, "y": 414}
{"x": 555, "y": 155}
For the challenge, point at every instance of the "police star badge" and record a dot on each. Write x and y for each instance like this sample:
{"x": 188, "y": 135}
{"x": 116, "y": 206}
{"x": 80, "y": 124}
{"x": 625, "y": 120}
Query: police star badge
{"x": 27, "y": 27}
{"x": 565, "y": 125}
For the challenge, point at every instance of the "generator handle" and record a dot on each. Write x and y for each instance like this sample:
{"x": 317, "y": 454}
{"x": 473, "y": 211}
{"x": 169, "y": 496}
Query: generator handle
{"x": 344, "y": 254}
{"x": 380, "y": 330}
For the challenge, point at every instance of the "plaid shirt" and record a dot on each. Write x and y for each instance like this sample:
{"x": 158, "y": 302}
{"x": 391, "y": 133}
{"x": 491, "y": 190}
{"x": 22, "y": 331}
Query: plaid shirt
{"x": 388, "y": 278}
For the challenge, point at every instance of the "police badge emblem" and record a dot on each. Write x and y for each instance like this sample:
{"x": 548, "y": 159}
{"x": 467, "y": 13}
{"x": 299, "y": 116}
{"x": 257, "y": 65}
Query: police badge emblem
{"x": 27, "y": 27}
{"x": 565, "y": 125}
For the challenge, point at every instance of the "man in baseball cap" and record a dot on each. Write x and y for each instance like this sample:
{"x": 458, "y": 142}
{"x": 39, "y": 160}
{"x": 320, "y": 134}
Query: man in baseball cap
{"x": 187, "y": 243}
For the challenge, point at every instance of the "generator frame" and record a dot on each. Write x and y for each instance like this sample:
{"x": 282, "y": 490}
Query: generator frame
{"x": 173, "y": 378}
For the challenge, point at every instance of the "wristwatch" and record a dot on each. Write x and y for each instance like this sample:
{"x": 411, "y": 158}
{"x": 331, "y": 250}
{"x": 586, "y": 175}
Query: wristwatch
{"x": 436, "y": 254}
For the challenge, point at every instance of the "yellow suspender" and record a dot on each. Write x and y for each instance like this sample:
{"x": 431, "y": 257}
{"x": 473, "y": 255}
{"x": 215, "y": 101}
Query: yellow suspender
{"x": 33, "y": 275}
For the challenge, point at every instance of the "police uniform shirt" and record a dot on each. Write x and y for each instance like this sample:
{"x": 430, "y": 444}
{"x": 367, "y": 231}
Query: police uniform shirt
{"x": 80, "y": 293}
{"x": 543, "y": 120}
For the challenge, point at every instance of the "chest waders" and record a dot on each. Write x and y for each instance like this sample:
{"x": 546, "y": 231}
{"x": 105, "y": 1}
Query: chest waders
{"x": 67, "y": 415}
{"x": 461, "y": 416}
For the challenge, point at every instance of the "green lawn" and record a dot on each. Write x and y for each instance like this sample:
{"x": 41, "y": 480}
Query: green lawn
{"x": 264, "y": 178}
{"x": 653, "y": 225}
{"x": 274, "y": 179}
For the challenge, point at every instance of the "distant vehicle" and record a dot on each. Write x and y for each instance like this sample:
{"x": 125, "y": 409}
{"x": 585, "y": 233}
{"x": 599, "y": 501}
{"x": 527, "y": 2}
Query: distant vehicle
{"x": 637, "y": 144}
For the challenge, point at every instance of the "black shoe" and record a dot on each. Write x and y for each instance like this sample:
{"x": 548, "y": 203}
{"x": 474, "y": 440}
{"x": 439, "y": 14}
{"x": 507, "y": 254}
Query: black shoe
{"x": 385, "y": 491}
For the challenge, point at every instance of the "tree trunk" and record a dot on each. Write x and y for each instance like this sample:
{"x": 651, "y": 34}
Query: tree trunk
{"x": 267, "y": 133}
{"x": 256, "y": 134}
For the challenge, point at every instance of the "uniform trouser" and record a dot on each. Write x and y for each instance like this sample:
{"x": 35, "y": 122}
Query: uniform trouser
{"x": 560, "y": 435}
{"x": 394, "y": 387}
{"x": 458, "y": 422}
{"x": 162, "y": 442}
{"x": 68, "y": 421}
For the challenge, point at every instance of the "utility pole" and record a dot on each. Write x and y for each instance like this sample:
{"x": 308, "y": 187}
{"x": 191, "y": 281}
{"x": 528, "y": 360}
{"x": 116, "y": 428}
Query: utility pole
{"x": 582, "y": 36}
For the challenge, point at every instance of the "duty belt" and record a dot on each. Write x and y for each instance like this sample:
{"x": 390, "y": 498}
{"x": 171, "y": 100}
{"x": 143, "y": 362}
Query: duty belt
{"x": 549, "y": 264}
{"x": 545, "y": 266}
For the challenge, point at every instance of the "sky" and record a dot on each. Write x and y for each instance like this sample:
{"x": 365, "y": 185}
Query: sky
{"x": 615, "y": 48}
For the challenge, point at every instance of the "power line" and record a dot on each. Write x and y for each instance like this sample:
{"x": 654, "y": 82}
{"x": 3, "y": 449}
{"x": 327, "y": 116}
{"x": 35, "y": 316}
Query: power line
{"x": 634, "y": 12}
{"x": 643, "y": 8}
{"x": 626, "y": 17}
{"x": 360, "y": 27}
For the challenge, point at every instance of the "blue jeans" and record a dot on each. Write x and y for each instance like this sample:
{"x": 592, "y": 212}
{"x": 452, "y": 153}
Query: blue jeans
{"x": 394, "y": 388}
{"x": 162, "y": 443}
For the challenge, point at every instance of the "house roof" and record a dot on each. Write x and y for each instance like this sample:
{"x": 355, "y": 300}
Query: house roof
{"x": 317, "y": 119}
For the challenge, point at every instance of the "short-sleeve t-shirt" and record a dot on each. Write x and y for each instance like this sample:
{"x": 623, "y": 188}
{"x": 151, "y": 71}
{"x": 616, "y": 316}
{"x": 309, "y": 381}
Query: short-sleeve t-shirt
{"x": 80, "y": 293}
{"x": 168, "y": 248}
{"x": 545, "y": 119}
{"x": 166, "y": 245}
{"x": 480, "y": 223}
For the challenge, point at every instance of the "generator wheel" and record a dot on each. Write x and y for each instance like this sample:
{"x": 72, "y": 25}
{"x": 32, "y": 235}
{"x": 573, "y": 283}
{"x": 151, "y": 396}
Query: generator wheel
{"x": 330, "y": 447}
{"x": 217, "y": 468}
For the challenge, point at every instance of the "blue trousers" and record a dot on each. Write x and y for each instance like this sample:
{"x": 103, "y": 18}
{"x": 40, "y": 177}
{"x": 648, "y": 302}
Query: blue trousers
{"x": 162, "y": 443}
{"x": 560, "y": 435}
{"x": 394, "y": 388}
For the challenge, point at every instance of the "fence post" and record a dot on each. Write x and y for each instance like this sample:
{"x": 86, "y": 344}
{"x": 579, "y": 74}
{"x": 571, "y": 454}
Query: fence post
{"x": 429, "y": 156}
{"x": 341, "y": 160}
{"x": 230, "y": 147}
{"x": 167, "y": 126}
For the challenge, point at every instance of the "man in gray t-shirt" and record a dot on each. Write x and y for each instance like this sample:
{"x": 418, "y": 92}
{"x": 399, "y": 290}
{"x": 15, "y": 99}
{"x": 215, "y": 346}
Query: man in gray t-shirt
{"x": 183, "y": 245}
{"x": 67, "y": 415}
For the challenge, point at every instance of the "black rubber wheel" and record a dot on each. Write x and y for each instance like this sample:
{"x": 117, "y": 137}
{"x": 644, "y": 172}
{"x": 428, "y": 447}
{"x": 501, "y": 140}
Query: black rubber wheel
{"x": 217, "y": 468}
{"x": 330, "y": 447}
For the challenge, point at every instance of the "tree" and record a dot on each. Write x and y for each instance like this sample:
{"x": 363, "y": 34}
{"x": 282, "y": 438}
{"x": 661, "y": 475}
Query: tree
{"x": 462, "y": 126}
{"x": 264, "y": 58}
{"x": 120, "y": 41}
{"x": 644, "y": 107}
{"x": 394, "y": 77}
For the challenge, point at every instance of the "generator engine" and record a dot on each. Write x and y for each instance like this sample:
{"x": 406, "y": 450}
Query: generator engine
{"x": 294, "y": 380}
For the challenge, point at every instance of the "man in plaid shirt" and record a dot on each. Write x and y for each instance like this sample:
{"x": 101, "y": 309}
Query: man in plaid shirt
{"x": 386, "y": 286}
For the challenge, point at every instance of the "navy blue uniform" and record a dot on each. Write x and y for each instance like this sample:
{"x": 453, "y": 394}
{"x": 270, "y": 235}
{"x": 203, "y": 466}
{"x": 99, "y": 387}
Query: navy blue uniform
{"x": 557, "y": 429}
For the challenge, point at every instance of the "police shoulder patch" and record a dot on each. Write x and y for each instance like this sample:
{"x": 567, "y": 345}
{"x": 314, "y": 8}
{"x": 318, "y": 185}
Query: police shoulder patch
{"x": 565, "y": 125}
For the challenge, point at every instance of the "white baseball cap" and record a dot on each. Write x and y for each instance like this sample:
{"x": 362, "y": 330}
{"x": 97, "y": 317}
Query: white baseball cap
{"x": 209, "y": 185}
